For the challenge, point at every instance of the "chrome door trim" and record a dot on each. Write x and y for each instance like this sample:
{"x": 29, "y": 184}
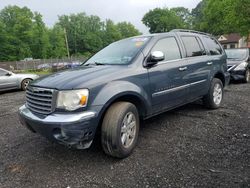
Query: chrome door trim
{"x": 177, "y": 88}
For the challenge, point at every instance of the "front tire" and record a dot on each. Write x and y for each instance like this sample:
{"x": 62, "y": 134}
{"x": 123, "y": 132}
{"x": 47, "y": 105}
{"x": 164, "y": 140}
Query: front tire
{"x": 215, "y": 94}
{"x": 25, "y": 83}
{"x": 247, "y": 76}
{"x": 120, "y": 129}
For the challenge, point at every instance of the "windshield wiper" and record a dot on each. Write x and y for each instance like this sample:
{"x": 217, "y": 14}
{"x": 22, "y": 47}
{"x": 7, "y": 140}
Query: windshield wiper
{"x": 94, "y": 63}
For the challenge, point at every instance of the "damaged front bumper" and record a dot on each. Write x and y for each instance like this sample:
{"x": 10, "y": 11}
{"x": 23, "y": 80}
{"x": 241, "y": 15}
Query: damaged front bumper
{"x": 71, "y": 129}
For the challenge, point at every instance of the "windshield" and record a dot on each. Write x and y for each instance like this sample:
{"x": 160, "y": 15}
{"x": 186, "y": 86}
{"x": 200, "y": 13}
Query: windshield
{"x": 239, "y": 54}
{"x": 119, "y": 53}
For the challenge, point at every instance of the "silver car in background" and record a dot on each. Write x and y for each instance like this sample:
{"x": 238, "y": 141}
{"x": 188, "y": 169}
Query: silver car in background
{"x": 9, "y": 80}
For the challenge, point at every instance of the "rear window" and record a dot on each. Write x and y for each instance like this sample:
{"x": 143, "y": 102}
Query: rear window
{"x": 193, "y": 48}
{"x": 213, "y": 46}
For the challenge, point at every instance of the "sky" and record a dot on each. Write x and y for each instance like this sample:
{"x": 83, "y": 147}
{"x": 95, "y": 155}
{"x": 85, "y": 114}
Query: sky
{"x": 116, "y": 10}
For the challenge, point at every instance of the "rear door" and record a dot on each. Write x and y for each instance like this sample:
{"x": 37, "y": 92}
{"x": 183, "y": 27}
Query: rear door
{"x": 168, "y": 87}
{"x": 198, "y": 66}
{"x": 216, "y": 54}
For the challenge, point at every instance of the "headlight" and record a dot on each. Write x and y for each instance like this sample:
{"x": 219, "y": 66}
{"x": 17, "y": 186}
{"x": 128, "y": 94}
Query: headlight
{"x": 73, "y": 99}
{"x": 241, "y": 66}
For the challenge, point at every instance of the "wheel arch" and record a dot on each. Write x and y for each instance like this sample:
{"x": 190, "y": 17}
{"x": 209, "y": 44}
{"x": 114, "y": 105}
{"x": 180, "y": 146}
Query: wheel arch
{"x": 138, "y": 101}
{"x": 220, "y": 76}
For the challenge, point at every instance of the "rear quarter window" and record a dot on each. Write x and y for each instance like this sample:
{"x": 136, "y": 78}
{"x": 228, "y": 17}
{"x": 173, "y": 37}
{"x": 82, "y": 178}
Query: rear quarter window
{"x": 213, "y": 46}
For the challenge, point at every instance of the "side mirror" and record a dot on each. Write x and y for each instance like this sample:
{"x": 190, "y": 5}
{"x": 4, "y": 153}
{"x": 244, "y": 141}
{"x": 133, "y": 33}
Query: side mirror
{"x": 155, "y": 57}
{"x": 8, "y": 74}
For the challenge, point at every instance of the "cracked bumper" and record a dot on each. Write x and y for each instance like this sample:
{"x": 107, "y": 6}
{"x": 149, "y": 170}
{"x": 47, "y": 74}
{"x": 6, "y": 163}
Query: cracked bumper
{"x": 71, "y": 129}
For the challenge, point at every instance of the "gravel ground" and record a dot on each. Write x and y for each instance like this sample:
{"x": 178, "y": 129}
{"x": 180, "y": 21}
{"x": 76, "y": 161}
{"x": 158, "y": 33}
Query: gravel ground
{"x": 188, "y": 147}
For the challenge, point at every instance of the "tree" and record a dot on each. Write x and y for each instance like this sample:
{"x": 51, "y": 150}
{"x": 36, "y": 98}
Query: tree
{"x": 18, "y": 27}
{"x": 242, "y": 11}
{"x": 127, "y": 29}
{"x": 24, "y": 34}
{"x": 197, "y": 14}
{"x": 4, "y": 43}
{"x": 162, "y": 20}
{"x": 40, "y": 38}
{"x": 220, "y": 17}
{"x": 185, "y": 16}
{"x": 84, "y": 32}
{"x": 111, "y": 32}
{"x": 57, "y": 47}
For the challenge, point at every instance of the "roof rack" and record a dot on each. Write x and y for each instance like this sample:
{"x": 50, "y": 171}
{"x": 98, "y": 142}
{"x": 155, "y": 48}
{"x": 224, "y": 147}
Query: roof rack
{"x": 190, "y": 31}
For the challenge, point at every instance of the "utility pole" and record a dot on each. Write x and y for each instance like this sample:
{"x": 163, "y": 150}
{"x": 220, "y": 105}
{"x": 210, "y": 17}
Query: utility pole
{"x": 66, "y": 41}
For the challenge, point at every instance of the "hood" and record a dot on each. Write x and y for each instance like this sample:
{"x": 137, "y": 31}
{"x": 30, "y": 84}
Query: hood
{"x": 79, "y": 77}
{"x": 232, "y": 62}
{"x": 32, "y": 76}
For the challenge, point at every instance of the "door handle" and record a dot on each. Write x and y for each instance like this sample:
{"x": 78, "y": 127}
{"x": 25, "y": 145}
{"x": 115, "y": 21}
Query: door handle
{"x": 182, "y": 68}
{"x": 209, "y": 63}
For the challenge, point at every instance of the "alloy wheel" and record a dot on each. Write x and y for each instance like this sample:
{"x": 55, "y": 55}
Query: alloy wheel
{"x": 128, "y": 130}
{"x": 217, "y": 94}
{"x": 26, "y": 83}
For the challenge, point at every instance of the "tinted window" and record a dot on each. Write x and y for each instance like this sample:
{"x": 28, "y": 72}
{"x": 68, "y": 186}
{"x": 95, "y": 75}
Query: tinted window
{"x": 192, "y": 46}
{"x": 169, "y": 47}
{"x": 2, "y": 73}
{"x": 213, "y": 46}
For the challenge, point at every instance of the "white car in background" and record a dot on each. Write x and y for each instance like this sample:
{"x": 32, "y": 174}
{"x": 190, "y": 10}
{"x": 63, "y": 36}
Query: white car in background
{"x": 9, "y": 80}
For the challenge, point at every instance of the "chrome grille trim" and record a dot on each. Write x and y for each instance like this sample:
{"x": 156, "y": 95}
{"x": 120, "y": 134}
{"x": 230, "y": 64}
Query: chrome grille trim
{"x": 40, "y": 100}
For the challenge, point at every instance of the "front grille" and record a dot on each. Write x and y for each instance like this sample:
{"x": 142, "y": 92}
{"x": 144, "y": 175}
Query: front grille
{"x": 40, "y": 100}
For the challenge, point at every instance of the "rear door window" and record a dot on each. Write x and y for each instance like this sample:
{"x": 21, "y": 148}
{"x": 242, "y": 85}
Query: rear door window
{"x": 169, "y": 47}
{"x": 213, "y": 46}
{"x": 193, "y": 47}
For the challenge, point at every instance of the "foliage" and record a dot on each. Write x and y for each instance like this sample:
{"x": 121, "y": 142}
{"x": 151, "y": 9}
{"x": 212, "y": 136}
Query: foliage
{"x": 220, "y": 17}
{"x": 57, "y": 48}
{"x": 197, "y": 14}
{"x": 185, "y": 15}
{"x": 127, "y": 29}
{"x": 162, "y": 20}
{"x": 211, "y": 16}
{"x": 24, "y": 34}
{"x": 88, "y": 34}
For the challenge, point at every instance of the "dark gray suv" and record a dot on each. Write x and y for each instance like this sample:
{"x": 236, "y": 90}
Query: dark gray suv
{"x": 124, "y": 83}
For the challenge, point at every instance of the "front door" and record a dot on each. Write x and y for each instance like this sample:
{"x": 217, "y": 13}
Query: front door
{"x": 168, "y": 87}
{"x": 7, "y": 81}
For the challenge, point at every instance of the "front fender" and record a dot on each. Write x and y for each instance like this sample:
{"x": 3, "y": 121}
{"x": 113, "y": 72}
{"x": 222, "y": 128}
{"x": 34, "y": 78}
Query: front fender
{"x": 116, "y": 89}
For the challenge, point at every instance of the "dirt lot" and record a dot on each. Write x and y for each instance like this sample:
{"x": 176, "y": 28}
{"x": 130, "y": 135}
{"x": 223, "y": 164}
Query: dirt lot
{"x": 187, "y": 147}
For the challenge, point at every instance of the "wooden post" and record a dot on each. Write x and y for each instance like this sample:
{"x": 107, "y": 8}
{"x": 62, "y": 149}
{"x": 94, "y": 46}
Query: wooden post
{"x": 66, "y": 41}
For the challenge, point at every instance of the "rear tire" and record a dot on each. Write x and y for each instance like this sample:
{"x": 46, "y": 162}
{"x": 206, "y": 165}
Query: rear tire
{"x": 215, "y": 94}
{"x": 247, "y": 76}
{"x": 25, "y": 83}
{"x": 120, "y": 129}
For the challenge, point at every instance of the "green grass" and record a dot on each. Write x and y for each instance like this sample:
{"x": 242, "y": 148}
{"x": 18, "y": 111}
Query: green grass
{"x": 39, "y": 72}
